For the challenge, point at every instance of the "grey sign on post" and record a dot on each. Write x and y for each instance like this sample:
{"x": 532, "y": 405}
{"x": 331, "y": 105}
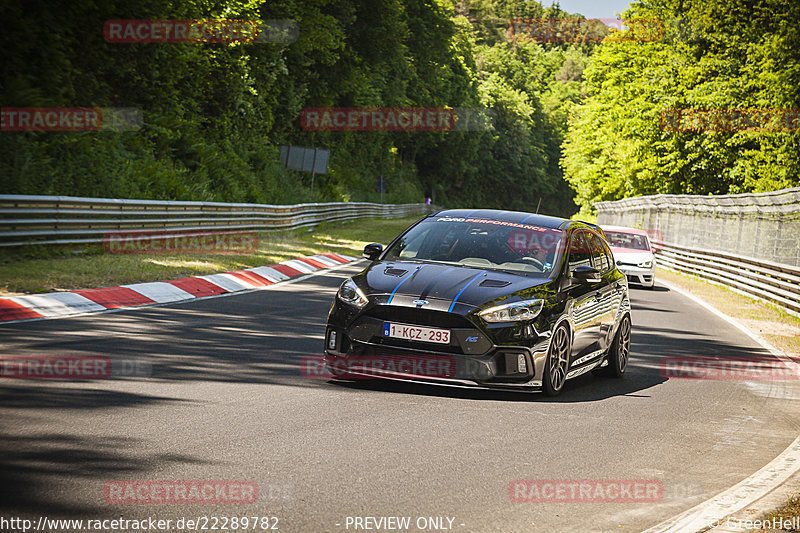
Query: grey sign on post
{"x": 312, "y": 160}
{"x": 321, "y": 161}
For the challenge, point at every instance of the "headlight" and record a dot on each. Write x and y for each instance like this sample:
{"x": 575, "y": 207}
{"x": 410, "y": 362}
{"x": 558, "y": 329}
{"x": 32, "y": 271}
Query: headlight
{"x": 645, "y": 264}
{"x": 350, "y": 293}
{"x": 513, "y": 312}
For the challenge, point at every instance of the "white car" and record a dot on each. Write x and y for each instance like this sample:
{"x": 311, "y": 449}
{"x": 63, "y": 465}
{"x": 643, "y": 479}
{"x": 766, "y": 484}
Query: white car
{"x": 633, "y": 253}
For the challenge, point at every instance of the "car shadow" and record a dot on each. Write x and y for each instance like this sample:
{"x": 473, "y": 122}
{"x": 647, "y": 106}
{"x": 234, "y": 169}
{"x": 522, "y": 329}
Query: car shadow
{"x": 654, "y": 288}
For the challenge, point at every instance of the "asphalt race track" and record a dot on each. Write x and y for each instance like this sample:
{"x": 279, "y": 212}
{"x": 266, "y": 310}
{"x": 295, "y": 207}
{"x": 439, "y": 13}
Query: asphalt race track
{"x": 227, "y": 401}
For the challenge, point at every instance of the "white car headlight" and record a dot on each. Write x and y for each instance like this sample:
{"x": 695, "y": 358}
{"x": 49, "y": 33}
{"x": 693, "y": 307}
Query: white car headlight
{"x": 351, "y": 294}
{"x": 645, "y": 264}
{"x": 513, "y": 312}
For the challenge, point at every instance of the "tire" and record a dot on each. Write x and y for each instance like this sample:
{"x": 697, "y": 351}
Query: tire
{"x": 620, "y": 350}
{"x": 557, "y": 364}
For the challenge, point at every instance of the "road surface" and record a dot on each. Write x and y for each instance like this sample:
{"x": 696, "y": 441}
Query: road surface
{"x": 226, "y": 400}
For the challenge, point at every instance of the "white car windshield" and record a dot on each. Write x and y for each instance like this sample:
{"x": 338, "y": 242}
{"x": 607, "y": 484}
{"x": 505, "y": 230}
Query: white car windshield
{"x": 632, "y": 241}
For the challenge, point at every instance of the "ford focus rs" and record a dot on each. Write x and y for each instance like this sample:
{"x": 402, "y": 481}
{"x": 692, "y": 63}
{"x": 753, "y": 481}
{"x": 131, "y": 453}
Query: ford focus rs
{"x": 483, "y": 298}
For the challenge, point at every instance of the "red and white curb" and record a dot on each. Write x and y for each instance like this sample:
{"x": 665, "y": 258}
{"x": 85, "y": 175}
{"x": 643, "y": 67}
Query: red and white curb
{"x": 61, "y": 304}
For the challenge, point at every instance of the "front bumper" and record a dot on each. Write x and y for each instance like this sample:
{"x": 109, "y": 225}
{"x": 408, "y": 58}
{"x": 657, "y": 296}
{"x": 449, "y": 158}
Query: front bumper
{"x": 361, "y": 351}
{"x": 639, "y": 276}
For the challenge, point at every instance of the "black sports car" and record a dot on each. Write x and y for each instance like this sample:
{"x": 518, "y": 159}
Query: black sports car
{"x": 484, "y": 298}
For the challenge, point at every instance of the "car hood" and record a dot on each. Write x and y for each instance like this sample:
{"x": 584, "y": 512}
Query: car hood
{"x": 456, "y": 289}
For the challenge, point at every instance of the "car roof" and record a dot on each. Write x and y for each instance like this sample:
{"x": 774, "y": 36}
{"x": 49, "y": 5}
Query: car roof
{"x": 518, "y": 217}
{"x": 623, "y": 229}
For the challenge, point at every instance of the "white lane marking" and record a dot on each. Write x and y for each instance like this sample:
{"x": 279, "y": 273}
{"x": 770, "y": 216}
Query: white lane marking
{"x": 299, "y": 265}
{"x": 58, "y": 303}
{"x": 749, "y": 490}
{"x": 160, "y": 291}
{"x": 228, "y": 282}
{"x": 270, "y": 273}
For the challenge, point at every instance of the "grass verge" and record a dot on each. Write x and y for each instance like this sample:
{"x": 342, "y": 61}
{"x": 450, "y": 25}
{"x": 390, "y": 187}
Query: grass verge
{"x": 61, "y": 270}
{"x": 786, "y": 515}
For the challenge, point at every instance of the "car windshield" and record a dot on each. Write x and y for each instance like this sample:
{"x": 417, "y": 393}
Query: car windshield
{"x": 487, "y": 244}
{"x": 634, "y": 241}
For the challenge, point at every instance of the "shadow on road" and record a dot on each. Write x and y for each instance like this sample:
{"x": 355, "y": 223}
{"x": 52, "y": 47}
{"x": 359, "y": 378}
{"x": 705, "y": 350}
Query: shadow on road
{"x": 259, "y": 337}
{"x": 263, "y": 337}
{"x": 38, "y": 471}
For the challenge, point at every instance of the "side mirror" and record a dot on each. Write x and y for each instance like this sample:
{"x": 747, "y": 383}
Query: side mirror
{"x": 372, "y": 251}
{"x": 586, "y": 274}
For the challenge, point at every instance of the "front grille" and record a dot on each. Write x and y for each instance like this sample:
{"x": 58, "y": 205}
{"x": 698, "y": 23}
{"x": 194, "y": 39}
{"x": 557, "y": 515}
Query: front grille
{"x": 397, "y": 350}
{"x": 419, "y": 317}
{"x": 413, "y": 345}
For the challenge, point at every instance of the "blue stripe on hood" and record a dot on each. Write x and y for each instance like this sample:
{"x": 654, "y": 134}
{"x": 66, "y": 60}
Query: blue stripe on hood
{"x": 464, "y": 288}
{"x": 401, "y": 282}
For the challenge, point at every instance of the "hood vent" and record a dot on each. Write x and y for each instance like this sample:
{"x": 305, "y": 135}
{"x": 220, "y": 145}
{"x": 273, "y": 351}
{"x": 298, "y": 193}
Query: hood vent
{"x": 494, "y": 283}
{"x": 394, "y": 271}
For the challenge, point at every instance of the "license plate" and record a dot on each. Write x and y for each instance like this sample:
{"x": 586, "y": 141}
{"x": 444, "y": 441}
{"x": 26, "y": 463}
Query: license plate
{"x": 416, "y": 333}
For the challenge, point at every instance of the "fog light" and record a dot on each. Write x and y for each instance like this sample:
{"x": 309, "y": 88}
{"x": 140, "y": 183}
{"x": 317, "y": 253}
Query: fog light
{"x": 332, "y": 340}
{"x": 521, "y": 366}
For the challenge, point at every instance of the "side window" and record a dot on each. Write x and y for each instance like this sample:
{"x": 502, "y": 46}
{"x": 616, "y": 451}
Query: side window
{"x": 600, "y": 259}
{"x": 579, "y": 253}
{"x": 609, "y": 255}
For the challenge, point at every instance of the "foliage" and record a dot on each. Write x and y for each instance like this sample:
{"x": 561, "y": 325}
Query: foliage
{"x": 714, "y": 54}
{"x": 215, "y": 114}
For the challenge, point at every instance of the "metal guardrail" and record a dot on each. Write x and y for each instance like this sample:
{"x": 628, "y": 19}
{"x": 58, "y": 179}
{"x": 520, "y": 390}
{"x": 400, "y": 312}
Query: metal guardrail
{"x": 718, "y": 238}
{"x": 764, "y": 280}
{"x": 764, "y": 225}
{"x": 48, "y": 220}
